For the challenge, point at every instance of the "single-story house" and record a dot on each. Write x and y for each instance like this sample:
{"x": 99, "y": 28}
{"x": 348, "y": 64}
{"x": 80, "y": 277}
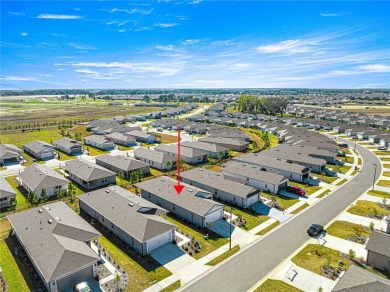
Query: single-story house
{"x": 89, "y": 175}
{"x": 6, "y": 192}
{"x": 136, "y": 221}
{"x": 58, "y": 243}
{"x": 9, "y": 154}
{"x": 154, "y": 158}
{"x": 255, "y": 177}
{"x": 378, "y": 250}
{"x": 121, "y": 139}
{"x": 37, "y": 177}
{"x": 189, "y": 155}
{"x": 99, "y": 142}
{"x": 292, "y": 171}
{"x": 122, "y": 164}
{"x": 224, "y": 189}
{"x": 328, "y": 156}
{"x": 211, "y": 149}
{"x": 356, "y": 279}
{"x": 142, "y": 136}
{"x": 39, "y": 149}
{"x": 193, "y": 204}
{"x": 230, "y": 143}
{"x": 72, "y": 147}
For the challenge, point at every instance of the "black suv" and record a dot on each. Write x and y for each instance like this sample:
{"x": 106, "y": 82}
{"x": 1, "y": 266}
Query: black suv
{"x": 315, "y": 229}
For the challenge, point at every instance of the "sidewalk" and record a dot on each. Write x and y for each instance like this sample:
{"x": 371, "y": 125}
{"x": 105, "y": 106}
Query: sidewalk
{"x": 365, "y": 221}
{"x": 341, "y": 245}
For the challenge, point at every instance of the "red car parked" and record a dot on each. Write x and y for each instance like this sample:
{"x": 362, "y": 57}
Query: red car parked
{"x": 296, "y": 190}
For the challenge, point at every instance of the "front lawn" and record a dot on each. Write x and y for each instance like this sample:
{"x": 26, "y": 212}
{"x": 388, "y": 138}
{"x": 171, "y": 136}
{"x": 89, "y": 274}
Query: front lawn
{"x": 343, "y": 181}
{"x": 224, "y": 256}
{"x": 299, "y": 209}
{"x": 284, "y": 203}
{"x": 365, "y": 208}
{"x": 324, "y": 178}
{"x": 323, "y": 194}
{"x": 64, "y": 156}
{"x": 165, "y": 138}
{"x": 309, "y": 189}
{"x": 386, "y": 165}
{"x": 252, "y": 220}
{"x": 344, "y": 168}
{"x": 344, "y": 229}
{"x": 95, "y": 151}
{"x": 359, "y": 161}
{"x": 141, "y": 275}
{"x": 385, "y": 158}
{"x": 379, "y": 194}
{"x": 214, "y": 242}
{"x": 314, "y": 256}
{"x": 345, "y": 150}
{"x": 276, "y": 286}
{"x": 268, "y": 228}
{"x": 384, "y": 183}
{"x": 20, "y": 198}
{"x": 386, "y": 173}
{"x": 382, "y": 152}
{"x": 173, "y": 287}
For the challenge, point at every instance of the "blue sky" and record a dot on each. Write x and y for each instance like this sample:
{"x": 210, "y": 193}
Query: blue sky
{"x": 195, "y": 44}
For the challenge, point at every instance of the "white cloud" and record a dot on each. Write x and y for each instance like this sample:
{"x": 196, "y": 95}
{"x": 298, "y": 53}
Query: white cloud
{"x": 289, "y": 47}
{"x": 24, "y": 34}
{"x": 165, "y": 25}
{"x": 165, "y": 48}
{"x": 327, "y": 14}
{"x": 195, "y": 2}
{"x": 132, "y": 11}
{"x": 59, "y": 16}
{"x": 17, "y": 79}
{"x": 375, "y": 68}
{"x": 122, "y": 30}
{"x": 81, "y": 47}
{"x": 16, "y": 13}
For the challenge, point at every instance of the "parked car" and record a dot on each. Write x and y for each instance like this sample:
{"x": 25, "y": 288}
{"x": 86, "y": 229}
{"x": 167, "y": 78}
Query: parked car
{"x": 82, "y": 287}
{"x": 159, "y": 129}
{"x": 342, "y": 145}
{"x": 296, "y": 190}
{"x": 315, "y": 229}
{"x": 383, "y": 148}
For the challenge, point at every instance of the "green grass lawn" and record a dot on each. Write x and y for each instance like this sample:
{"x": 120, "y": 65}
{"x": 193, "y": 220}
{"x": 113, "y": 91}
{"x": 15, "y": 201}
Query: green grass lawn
{"x": 344, "y": 168}
{"x": 386, "y": 173}
{"x": 276, "y": 286}
{"x": 268, "y": 228}
{"x": 95, "y": 151}
{"x": 326, "y": 179}
{"x": 308, "y": 259}
{"x": 359, "y": 162}
{"x": 323, "y": 194}
{"x": 384, "y": 183}
{"x": 382, "y": 152}
{"x": 124, "y": 148}
{"x": 309, "y": 189}
{"x": 251, "y": 219}
{"x": 11, "y": 271}
{"x": 343, "y": 181}
{"x": 385, "y": 158}
{"x": 354, "y": 172}
{"x": 64, "y": 156}
{"x": 20, "y": 198}
{"x": 344, "y": 229}
{"x": 379, "y": 194}
{"x": 216, "y": 168}
{"x": 141, "y": 276}
{"x": 18, "y": 138}
{"x": 156, "y": 172}
{"x": 364, "y": 208}
{"x": 386, "y": 165}
{"x": 297, "y": 210}
{"x": 224, "y": 256}
{"x": 284, "y": 203}
{"x": 173, "y": 287}
{"x": 345, "y": 150}
{"x": 208, "y": 246}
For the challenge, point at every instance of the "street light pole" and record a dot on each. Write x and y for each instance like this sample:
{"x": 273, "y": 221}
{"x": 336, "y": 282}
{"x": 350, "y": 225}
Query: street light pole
{"x": 231, "y": 217}
{"x": 373, "y": 183}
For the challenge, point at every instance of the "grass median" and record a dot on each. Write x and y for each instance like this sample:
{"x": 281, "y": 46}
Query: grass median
{"x": 224, "y": 256}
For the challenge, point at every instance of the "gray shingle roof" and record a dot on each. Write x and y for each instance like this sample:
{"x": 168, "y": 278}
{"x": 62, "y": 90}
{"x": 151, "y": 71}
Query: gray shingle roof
{"x": 188, "y": 199}
{"x": 141, "y": 220}
{"x": 379, "y": 242}
{"x": 38, "y": 146}
{"x": 57, "y": 248}
{"x": 9, "y": 151}
{"x": 153, "y": 155}
{"x": 5, "y": 188}
{"x": 225, "y": 141}
{"x": 120, "y": 137}
{"x": 67, "y": 143}
{"x": 216, "y": 180}
{"x": 272, "y": 162}
{"x": 97, "y": 139}
{"x": 86, "y": 170}
{"x": 39, "y": 176}
{"x": 357, "y": 279}
{"x": 122, "y": 162}
{"x": 253, "y": 172}
{"x": 209, "y": 147}
{"x": 138, "y": 134}
{"x": 184, "y": 151}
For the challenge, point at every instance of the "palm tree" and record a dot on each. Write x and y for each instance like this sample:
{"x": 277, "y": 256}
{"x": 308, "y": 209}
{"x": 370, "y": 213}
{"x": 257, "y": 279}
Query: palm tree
{"x": 60, "y": 194}
{"x": 12, "y": 204}
{"x": 220, "y": 155}
{"x": 71, "y": 191}
{"x": 168, "y": 165}
{"x": 44, "y": 197}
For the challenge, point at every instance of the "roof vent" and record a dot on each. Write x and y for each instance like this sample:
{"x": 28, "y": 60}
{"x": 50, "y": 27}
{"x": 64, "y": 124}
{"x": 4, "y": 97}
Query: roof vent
{"x": 162, "y": 179}
{"x": 190, "y": 190}
{"x": 50, "y": 221}
{"x": 48, "y": 208}
{"x": 89, "y": 166}
{"x": 107, "y": 191}
{"x": 131, "y": 204}
{"x": 40, "y": 210}
{"x": 244, "y": 164}
{"x": 58, "y": 218}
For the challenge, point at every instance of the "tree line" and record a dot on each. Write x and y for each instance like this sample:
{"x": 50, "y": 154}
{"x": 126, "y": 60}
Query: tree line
{"x": 262, "y": 105}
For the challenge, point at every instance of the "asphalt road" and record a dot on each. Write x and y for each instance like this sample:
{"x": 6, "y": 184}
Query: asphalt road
{"x": 243, "y": 271}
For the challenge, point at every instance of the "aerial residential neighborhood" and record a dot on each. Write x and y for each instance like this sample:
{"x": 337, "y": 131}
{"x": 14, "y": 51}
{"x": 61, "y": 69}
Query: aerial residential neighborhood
{"x": 194, "y": 146}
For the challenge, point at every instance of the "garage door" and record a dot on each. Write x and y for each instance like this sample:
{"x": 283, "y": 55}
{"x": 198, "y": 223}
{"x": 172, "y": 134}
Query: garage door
{"x": 75, "y": 278}
{"x": 253, "y": 199}
{"x": 11, "y": 160}
{"x": 282, "y": 186}
{"x": 46, "y": 154}
{"x": 159, "y": 241}
{"x": 212, "y": 217}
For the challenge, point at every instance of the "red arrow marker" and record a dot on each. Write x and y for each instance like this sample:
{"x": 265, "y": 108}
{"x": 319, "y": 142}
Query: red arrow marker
{"x": 178, "y": 187}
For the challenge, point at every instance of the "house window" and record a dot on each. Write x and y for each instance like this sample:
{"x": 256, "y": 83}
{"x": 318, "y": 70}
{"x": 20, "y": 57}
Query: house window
{"x": 104, "y": 180}
{"x": 112, "y": 226}
{"x": 265, "y": 185}
{"x": 102, "y": 218}
{"x": 174, "y": 207}
{"x": 234, "y": 199}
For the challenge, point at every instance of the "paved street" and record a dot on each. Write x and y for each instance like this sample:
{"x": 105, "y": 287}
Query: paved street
{"x": 243, "y": 271}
